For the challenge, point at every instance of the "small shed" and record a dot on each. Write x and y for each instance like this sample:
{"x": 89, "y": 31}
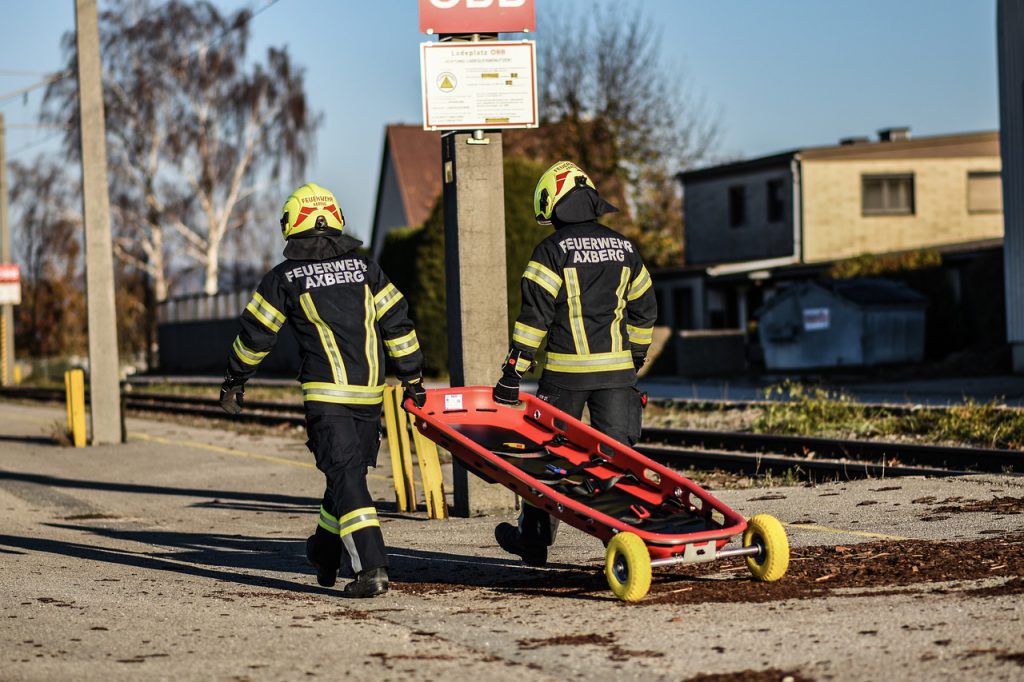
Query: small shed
{"x": 842, "y": 323}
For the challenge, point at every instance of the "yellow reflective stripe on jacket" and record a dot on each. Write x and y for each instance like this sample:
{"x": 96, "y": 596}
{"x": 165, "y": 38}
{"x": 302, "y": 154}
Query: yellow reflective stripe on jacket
{"x": 357, "y": 519}
{"x": 352, "y": 394}
{"x": 544, "y": 276}
{"x": 271, "y": 317}
{"x": 386, "y": 298}
{"x": 594, "y": 362}
{"x": 403, "y": 345}
{"x": 369, "y": 317}
{"x": 620, "y": 308}
{"x": 330, "y": 344}
{"x": 640, "y": 335}
{"x": 641, "y": 283}
{"x": 527, "y": 335}
{"x": 579, "y": 331}
{"x": 246, "y": 354}
{"x": 327, "y": 521}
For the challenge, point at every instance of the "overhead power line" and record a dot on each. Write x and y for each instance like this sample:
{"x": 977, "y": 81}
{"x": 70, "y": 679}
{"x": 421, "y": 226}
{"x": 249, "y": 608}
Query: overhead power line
{"x": 52, "y": 78}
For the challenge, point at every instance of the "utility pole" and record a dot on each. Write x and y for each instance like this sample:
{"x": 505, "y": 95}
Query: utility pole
{"x": 7, "y": 312}
{"x": 104, "y": 384}
{"x": 474, "y": 257}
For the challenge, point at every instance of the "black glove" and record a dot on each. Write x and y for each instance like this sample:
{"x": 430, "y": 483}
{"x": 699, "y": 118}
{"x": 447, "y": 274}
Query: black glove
{"x": 232, "y": 395}
{"x": 638, "y": 361}
{"x": 517, "y": 364}
{"x": 412, "y": 389}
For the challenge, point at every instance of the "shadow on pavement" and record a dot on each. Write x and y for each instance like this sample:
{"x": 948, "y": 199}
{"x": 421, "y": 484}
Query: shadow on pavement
{"x": 217, "y": 499}
{"x": 234, "y": 558}
{"x": 30, "y": 440}
{"x": 306, "y": 503}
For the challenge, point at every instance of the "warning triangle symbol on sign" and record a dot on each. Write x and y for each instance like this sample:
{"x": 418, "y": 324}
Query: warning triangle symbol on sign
{"x": 446, "y": 84}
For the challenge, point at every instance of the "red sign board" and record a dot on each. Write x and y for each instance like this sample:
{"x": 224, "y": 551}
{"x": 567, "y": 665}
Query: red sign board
{"x": 477, "y": 16}
{"x": 10, "y": 284}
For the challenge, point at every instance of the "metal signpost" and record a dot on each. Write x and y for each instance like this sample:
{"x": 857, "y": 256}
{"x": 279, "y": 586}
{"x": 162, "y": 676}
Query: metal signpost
{"x": 473, "y": 82}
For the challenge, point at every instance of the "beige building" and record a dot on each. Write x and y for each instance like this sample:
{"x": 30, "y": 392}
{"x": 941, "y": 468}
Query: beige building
{"x": 753, "y": 225}
{"x": 900, "y": 195}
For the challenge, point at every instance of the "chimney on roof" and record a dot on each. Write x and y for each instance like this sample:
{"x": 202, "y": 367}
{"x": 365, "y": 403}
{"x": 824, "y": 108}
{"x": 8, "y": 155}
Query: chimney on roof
{"x": 854, "y": 139}
{"x": 897, "y": 134}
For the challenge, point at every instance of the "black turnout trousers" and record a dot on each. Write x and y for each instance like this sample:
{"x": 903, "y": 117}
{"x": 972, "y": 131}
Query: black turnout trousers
{"x": 615, "y": 412}
{"x": 344, "y": 447}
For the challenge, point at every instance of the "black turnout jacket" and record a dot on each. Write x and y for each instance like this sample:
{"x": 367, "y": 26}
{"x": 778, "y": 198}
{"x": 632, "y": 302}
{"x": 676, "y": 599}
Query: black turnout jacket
{"x": 587, "y": 291}
{"x": 346, "y": 315}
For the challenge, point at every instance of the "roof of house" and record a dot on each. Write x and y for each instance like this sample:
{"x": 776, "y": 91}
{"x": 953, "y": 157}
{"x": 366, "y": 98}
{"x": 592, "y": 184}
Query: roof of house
{"x": 984, "y": 143}
{"x": 416, "y": 154}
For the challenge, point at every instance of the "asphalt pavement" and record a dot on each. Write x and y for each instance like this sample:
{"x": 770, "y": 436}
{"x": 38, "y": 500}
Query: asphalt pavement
{"x": 179, "y": 555}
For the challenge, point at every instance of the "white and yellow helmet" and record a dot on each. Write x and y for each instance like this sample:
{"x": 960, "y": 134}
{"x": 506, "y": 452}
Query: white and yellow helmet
{"x": 552, "y": 187}
{"x": 310, "y": 206}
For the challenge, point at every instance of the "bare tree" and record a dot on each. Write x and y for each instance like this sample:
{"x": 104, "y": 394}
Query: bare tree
{"x": 612, "y": 105}
{"x": 194, "y": 132}
{"x": 51, "y": 319}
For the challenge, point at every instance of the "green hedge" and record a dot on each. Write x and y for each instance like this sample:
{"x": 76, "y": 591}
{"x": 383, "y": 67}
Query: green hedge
{"x": 414, "y": 260}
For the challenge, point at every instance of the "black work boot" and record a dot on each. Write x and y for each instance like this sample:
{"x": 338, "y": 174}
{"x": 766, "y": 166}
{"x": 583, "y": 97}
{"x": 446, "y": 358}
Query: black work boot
{"x": 372, "y": 582}
{"x": 323, "y": 551}
{"x": 511, "y": 540}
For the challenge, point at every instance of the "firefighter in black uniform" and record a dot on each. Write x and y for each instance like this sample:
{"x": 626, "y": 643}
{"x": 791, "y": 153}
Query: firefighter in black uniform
{"x": 346, "y": 315}
{"x": 587, "y": 290}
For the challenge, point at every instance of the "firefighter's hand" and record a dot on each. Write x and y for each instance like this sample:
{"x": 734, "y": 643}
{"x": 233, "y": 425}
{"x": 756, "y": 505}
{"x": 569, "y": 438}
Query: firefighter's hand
{"x": 232, "y": 396}
{"x": 638, "y": 361}
{"x": 413, "y": 390}
{"x": 506, "y": 391}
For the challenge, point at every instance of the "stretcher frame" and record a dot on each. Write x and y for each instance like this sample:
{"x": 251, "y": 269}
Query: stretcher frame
{"x": 447, "y": 408}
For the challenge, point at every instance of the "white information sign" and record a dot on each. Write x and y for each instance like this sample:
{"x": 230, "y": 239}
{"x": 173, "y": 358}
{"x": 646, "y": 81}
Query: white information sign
{"x": 816, "y": 319}
{"x": 469, "y": 86}
{"x": 10, "y": 285}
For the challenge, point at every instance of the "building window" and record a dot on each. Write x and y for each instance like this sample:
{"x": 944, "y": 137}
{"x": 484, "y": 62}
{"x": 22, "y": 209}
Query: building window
{"x": 737, "y": 206}
{"x": 776, "y": 204}
{"x": 984, "y": 192}
{"x": 887, "y": 194}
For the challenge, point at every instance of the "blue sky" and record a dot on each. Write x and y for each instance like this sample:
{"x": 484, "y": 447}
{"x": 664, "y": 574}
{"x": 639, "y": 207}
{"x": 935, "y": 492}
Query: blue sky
{"x": 778, "y": 74}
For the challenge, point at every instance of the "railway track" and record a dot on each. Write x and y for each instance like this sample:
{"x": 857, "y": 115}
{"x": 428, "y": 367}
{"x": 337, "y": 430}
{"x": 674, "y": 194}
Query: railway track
{"x": 742, "y": 453}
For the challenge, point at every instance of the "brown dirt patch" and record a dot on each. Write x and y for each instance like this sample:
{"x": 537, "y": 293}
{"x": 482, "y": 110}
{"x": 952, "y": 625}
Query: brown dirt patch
{"x": 608, "y": 641}
{"x": 769, "y": 675}
{"x": 1000, "y": 655}
{"x": 997, "y": 505}
{"x": 864, "y": 569}
{"x": 814, "y": 571}
{"x": 567, "y": 640}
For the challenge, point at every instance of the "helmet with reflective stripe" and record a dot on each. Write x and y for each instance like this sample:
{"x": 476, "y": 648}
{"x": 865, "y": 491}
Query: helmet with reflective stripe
{"x": 310, "y": 207}
{"x": 557, "y": 182}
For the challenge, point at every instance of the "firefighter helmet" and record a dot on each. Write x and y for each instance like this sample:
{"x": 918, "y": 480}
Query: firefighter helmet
{"x": 552, "y": 187}
{"x": 310, "y": 207}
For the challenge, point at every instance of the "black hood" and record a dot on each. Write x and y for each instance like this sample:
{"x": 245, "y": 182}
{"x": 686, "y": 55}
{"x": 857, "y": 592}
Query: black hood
{"x": 320, "y": 247}
{"x": 581, "y": 205}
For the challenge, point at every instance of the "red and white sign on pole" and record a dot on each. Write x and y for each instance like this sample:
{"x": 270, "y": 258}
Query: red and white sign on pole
{"x": 477, "y": 16}
{"x": 10, "y": 285}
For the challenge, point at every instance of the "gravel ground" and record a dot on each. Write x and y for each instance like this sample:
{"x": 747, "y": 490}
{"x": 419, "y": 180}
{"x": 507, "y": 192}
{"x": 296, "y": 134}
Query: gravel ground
{"x": 179, "y": 556}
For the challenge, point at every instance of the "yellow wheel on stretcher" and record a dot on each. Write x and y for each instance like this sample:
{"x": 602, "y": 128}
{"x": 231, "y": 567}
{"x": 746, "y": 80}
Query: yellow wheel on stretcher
{"x": 627, "y": 566}
{"x": 767, "y": 533}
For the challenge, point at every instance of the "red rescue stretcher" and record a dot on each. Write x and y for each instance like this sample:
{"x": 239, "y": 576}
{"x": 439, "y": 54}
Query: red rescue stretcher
{"x": 646, "y": 514}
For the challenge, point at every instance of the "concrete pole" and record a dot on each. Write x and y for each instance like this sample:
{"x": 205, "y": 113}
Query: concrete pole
{"x": 7, "y": 313}
{"x": 474, "y": 233}
{"x": 104, "y": 384}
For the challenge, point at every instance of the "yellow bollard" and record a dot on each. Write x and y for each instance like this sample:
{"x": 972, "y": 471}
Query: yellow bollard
{"x": 430, "y": 473}
{"x": 405, "y": 488}
{"x": 74, "y": 386}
